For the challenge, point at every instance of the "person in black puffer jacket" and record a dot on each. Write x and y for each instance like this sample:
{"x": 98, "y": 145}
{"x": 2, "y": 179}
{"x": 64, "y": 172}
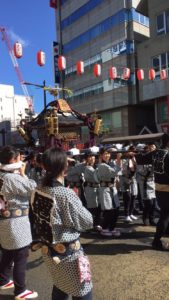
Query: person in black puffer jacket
{"x": 160, "y": 161}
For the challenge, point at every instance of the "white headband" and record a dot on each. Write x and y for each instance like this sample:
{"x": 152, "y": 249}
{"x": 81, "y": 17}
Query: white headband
{"x": 11, "y": 167}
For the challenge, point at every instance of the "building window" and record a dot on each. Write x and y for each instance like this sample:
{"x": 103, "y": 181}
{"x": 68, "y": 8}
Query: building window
{"x": 111, "y": 120}
{"x": 163, "y": 23}
{"x": 106, "y": 121}
{"x": 26, "y": 110}
{"x": 95, "y": 31}
{"x": 137, "y": 17}
{"x": 120, "y": 17}
{"x": 160, "y": 62}
{"x": 88, "y": 91}
{"x": 116, "y": 119}
{"x": 162, "y": 112}
{"x": 167, "y": 60}
{"x": 83, "y": 10}
{"x": 163, "y": 61}
{"x": 167, "y": 20}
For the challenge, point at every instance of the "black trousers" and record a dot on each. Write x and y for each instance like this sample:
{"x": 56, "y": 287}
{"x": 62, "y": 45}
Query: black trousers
{"x": 163, "y": 203}
{"x": 149, "y": 210}
{"x": 96, "y": 213}
{"x": 19, "y": 258}
{"x": 59, "y": 295}
{"x": 140, "y": 200}
{"x": 110, "y": 218}
{"x": 129, "y": 202}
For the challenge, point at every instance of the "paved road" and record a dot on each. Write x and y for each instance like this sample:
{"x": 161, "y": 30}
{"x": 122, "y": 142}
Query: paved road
{"x": 123, "y": 269}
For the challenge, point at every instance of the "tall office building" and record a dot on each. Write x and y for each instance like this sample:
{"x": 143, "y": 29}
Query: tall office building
{"x": 154, "y": 53}
{"x": 105, "y": 32}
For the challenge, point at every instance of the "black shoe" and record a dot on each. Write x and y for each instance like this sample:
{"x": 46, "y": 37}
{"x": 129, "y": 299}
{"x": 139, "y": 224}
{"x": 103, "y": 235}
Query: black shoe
{"x": 160, "y": 246}
{"x": 146, "y": 222}
{"x": 152, "y": 223}
{"x": 136, "y": 212}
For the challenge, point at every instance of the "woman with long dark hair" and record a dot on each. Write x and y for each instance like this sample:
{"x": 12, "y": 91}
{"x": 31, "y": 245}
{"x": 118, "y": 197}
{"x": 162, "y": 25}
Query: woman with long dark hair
{"x": 59, "y": 217}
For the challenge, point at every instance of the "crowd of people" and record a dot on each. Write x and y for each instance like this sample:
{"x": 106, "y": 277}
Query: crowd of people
{"x": 103, "y": 178}
{"x": 47, "y": 199}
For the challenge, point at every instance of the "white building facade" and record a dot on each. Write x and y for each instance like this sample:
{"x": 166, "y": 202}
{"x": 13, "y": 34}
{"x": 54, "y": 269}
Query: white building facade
{"x": 13, "y": 108}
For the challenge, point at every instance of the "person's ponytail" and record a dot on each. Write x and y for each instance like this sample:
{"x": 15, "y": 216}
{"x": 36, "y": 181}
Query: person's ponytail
{"x": 54, "y": 161}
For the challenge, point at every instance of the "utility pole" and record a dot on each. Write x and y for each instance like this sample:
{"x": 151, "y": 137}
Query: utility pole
{"x": 62, "y": 73}
{"x": 44, "y": 94}
{"x": 3, "y": 132}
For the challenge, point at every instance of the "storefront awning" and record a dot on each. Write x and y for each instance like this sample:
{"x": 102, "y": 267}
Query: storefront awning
{"x": 133, "y": 138}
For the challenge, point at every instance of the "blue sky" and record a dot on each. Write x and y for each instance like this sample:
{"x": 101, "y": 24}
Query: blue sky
{"x": 32, "y": 22}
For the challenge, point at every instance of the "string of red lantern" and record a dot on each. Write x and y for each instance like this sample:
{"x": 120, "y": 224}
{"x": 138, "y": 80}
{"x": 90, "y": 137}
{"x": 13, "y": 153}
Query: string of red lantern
{"x": 112, "y": 71}
{"x": 41, "y": 60}
{"x": 17, "y": 51}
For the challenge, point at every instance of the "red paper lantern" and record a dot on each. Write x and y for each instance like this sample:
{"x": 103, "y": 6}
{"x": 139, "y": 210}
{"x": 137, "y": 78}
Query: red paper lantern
{"x": 163, "y": 74}
{"x": 97, "y": 70}
{"x": 41, "y": 58}
{"x": 61, "y": 63}
{"x": 80, "y": 67}
{"x": 17, "y": 50}
{"x": 113, "y": 73}
{"x": 126, "y": 73}
{"x": 152, "y": 74}
{"x": 53, "y": 3}
{"x": 140, "y": 74}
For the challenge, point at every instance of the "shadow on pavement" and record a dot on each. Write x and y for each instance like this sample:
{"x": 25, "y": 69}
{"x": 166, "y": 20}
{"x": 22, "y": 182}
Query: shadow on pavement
{"x": 126, "y": 235}
{"x": 34, "y": 264}
{"x": 136, "y": 235}
{"x": 6, "y": 297}
{"x": 113, "y": 249}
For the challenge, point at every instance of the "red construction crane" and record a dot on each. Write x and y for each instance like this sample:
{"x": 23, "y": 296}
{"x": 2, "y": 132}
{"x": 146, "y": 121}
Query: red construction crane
{"x": 6, "y": 39}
